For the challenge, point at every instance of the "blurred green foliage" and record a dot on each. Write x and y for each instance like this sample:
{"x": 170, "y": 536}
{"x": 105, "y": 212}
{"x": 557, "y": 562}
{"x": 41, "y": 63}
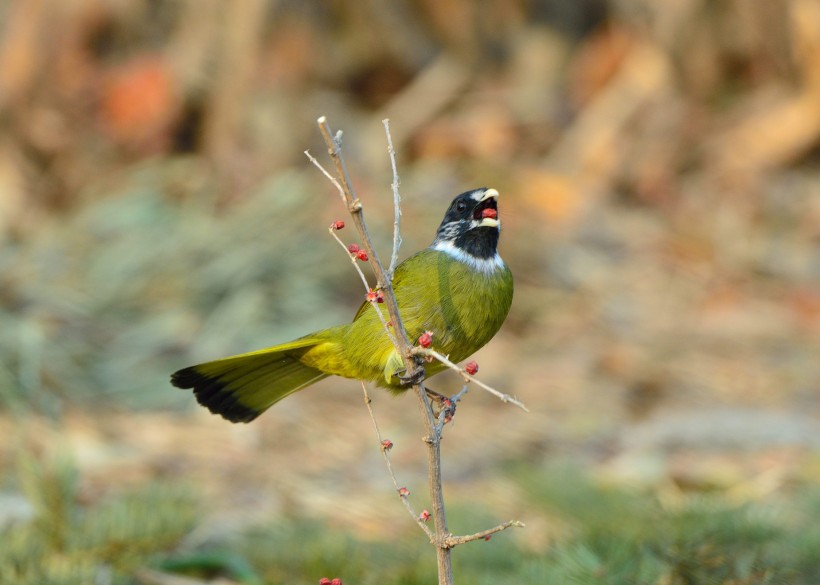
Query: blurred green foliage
{"x": 600, "y": 535}
{"x": 66, "y": 542}
{"x": 610, "y": 536}
{"x": 109, "y": 300}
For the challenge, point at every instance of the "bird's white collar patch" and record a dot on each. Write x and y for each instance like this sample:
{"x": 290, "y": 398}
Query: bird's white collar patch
{"x": 485, "y": 265}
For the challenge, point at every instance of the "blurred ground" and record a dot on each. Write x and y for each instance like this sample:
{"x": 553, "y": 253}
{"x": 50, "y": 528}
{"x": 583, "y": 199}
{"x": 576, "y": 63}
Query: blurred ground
{"x": 659, "y": 171}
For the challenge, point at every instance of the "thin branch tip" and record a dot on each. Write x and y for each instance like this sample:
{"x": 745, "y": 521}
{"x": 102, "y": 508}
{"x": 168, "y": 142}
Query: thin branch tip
{"x": 452, "y": 540}
{"x": 430, "y": 353}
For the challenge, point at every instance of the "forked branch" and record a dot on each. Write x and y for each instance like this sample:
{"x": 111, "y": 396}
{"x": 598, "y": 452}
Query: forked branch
{"x": 441, "y": 538}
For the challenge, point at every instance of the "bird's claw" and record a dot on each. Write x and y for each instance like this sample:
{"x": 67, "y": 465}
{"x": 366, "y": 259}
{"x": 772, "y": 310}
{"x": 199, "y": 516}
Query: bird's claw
{"x": 416, "y": 376}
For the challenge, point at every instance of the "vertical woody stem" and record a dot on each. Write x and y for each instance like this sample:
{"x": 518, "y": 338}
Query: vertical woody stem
{"x": 403, "y": 347}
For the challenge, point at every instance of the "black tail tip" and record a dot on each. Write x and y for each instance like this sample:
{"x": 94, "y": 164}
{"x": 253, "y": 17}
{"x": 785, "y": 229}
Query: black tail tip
{"x": 185, "y": 378}
{"x": 214, "y": 395}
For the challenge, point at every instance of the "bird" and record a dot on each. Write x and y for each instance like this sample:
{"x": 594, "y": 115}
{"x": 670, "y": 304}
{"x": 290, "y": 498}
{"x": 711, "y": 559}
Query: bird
{"x": 458, "y": 289}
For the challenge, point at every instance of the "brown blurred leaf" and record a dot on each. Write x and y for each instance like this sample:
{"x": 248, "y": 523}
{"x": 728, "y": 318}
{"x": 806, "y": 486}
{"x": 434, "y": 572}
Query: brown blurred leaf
{"x": 769, "y": 133}
{"x": 805, "y": 305}
{"x": 238, "y": 46}
{"x": 597, "y": 61}
{"x": 555, "y": 197}
{"x": 592, "y": 146}
{"x": 12, "y": 191}
{"x": 140, "y": 101}
{"x": 485, "y": 132}
{"x": 769, "y": 136}
{"x": 805, "y": 23}
{"x": 21, "y": 48}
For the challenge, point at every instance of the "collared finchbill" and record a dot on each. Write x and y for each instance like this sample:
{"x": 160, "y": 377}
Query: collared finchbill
{"x": 458, "y": 287}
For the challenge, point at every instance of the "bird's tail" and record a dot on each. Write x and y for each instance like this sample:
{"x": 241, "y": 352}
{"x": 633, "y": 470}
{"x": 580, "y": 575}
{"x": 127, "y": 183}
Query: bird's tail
{"x": 241, "y": 387}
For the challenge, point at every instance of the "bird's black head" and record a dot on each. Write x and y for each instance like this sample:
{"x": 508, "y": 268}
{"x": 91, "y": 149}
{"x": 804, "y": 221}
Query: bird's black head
{"x": 471, "y": 225}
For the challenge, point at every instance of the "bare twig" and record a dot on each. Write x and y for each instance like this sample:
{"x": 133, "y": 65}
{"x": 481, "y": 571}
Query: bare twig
{"x": 394, "y": 258}
{"x": 325, "y": 172}
{"x": 402, "y": 496}
{"x": 453, "y": 540}
{"x": 354, "y": 207}
{"x": 428, "y": 352}
{"x": 351, "y": 257}
{"x": 364, "y": 281}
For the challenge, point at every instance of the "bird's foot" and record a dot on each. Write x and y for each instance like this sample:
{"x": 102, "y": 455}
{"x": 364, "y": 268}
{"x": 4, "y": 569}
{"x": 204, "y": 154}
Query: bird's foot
{"x": 415, "y": 376}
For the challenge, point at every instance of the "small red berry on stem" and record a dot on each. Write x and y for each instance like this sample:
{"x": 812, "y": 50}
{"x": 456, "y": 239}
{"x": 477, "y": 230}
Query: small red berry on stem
{"x": 361, "y": 255}
{"x": 426, "y": 339}
{"x": 387, "y": 444}
{"x": 336, "y": 581}
{"x": 488, "y": 537}
{"x": 325, "y": 581}
{"x": 338, "y": 225}
{"x": 404, "y": 492}
{"x": 353, "y": 248}
{"x": 449, "y": 409}
{"x": 424, "y": 516}
{"x": 374, "y": 296}
{"x": 471, "y": 368}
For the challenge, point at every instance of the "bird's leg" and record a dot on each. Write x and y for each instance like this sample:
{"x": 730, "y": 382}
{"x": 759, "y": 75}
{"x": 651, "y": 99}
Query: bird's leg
{"x": 416, "y": 376}
{"x": 444, "y": 403}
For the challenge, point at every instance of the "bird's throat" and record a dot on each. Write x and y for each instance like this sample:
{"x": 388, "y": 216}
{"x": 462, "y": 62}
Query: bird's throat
{"x": 486, "y": 263}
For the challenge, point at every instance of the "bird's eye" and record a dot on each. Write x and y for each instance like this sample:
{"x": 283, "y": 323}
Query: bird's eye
{"x": 461, "y": 205}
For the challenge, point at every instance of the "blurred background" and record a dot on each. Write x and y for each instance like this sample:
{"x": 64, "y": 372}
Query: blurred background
{"x": 659, "y": 171}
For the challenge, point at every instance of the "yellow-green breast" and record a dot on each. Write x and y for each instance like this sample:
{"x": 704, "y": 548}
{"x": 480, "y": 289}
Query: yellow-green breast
{"x": 463, "y": 305}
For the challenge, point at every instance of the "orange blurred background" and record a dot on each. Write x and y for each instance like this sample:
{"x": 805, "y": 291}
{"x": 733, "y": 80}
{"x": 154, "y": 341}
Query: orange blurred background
{"x": 659, "y": 170}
